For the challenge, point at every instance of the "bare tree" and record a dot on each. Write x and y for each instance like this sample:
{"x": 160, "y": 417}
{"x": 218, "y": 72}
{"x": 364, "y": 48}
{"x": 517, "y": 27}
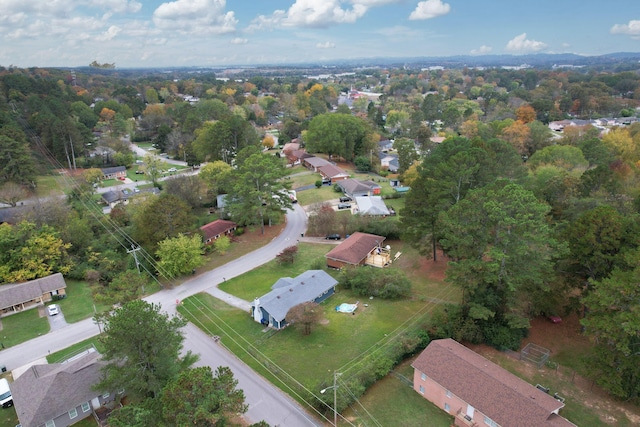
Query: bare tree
{"x": 11, "y": 193}
{"x": 305, "y": 315}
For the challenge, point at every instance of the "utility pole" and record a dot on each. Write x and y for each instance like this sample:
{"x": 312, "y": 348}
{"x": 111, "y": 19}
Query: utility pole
{"x": 335, "y": 398}
{"x": 135, "y": 257}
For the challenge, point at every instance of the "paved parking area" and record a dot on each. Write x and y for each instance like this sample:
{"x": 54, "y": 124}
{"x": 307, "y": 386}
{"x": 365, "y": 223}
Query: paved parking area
{"x": 57, "y": 321}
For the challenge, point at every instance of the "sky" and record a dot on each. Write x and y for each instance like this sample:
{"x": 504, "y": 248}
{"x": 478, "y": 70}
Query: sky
{"x": 223, "y": 33}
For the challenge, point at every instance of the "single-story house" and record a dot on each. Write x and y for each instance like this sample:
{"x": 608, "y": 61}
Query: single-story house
{"x": 290, "y": 147}
{"x": 390, "y": 162}
{"x": 333, "y": 173}
{"x": 312, "y": 285}
{"x": 356, "y": 188}
{"x": 59, "y": 394}
{"x": 220, "y": 227}
{"x": 373, "y": 206}
{"x": 114, "y": 172}
{"x": 437, "y": 139}
{"x": 359, "y": 249}
{"x": 478, "y": 392}
{"x": 114, "y": 197}
{"x": 314, "y": 163}
{"x": 385, "y": 145}
{"x": 20, "y": 296}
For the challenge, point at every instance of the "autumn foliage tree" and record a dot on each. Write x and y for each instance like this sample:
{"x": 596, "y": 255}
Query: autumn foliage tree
{"x": 288, "y": 255}
{"x": 304, "y": 316}
{"x": 526, "y": 114}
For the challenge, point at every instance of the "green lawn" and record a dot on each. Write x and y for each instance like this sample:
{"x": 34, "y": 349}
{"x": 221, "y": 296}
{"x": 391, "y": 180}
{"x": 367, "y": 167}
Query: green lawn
{"x": 75, "y": 349}
{"x": 49, "y": 185}
{"x": 20, "y": 327}
{"x": 258, "y": 282}
{"x": 79, "y": 304}
{"x": 317, "y": 195}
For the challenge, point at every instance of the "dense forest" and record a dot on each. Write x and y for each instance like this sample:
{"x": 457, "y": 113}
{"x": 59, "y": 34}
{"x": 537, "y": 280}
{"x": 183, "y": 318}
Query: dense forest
{"x": 535, "y": 221}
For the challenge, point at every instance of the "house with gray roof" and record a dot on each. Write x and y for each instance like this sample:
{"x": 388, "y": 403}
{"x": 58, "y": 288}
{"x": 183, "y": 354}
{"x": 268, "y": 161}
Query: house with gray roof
{"x": 60, "y": 394}
{"x": 373, "y": 206}
{"x": 476, "y": 391}
{"x": 311, "y": 286}
{"x": 16, "y": 297}
{"x": 355, "y": 188}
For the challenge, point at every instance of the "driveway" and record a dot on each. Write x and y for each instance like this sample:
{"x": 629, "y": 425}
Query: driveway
{"x": 265, "y": 401}
{"x": 58, "y": 321}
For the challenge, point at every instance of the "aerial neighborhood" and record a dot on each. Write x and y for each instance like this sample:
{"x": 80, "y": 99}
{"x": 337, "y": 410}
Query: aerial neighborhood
{"x": 399, "y": 244}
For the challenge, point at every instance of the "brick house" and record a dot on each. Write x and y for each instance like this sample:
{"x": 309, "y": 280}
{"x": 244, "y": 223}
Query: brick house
{"x": 220, "y": 227}
{"x": 21, "y": 296}
{"x": 477, "y": 392}
{"x": 359, "y": 249}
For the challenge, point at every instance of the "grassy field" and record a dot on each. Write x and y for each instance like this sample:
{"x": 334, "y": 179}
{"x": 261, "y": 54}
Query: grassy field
{"x": 258, "y": 282}
{"x": 49, "y": 185}
{"x": 335, "y": 343}
{"x": 392, "y": 401}
{"x": 79, "y": 304}
{"x": 73, "y": 350}
{"x": 21, "y": 327}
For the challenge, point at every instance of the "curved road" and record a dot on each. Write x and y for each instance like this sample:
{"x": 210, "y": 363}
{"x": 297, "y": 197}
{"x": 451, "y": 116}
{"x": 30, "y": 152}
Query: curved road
{"x": 265, "y": 401}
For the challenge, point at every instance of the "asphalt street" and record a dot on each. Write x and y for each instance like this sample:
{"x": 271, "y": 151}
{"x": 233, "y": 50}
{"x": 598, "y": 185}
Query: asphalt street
{"x": 265, "y": 401}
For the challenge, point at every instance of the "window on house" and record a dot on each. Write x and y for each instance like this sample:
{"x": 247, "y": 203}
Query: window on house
{"x": 448, "y": 393}
{"x": 488, "y": 421}
{"x": 73, "y": 413}
{"x": 447, "y": 407}
{"x": 423, "y": 377}
{"x": 50, "y": 423}
{"x": 422, "y": 389}
{"x": 85, "y": 407}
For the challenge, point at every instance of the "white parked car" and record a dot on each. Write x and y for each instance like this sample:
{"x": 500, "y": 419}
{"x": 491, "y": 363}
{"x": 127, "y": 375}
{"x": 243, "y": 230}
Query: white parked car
{"x": 53, "y": 309}
{"x": 172, "y": 170}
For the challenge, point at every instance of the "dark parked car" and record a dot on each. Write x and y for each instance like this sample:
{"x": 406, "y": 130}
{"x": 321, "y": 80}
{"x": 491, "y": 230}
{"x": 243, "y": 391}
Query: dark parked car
{"x": 345, "y": 199}
{"x": 344, "y": 205}
{"x": 332, "y": 237}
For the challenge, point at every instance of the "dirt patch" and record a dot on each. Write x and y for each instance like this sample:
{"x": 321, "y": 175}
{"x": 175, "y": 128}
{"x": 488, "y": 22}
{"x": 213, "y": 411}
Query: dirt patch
{"x": 564, "y": 338}
{"x": 434, "y": 270}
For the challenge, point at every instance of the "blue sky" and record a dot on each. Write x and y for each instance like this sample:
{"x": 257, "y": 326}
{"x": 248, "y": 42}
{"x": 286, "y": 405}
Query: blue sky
{"x": 152, "y": 33}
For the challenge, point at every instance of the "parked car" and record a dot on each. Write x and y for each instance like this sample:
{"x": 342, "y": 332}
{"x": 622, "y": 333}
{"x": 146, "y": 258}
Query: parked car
{"x": 345, "y": 199}
{"x": 332, "y": 237}
{"x": 554, "y": 319}
{"x": 53, "y": 309}
{"x": 344, "y": 205}
{"x": 6, "y": 400}
{"x": 139, "y": 172}
{"x": 172, "y": 170}
{"x": 122, "y": 178}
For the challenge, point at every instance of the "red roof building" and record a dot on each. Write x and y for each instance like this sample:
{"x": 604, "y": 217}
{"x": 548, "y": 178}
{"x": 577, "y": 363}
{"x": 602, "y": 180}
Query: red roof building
{"x": 477, "y": 392}
{"x": 217, "y": 228}
{"x": 359, "y": 249}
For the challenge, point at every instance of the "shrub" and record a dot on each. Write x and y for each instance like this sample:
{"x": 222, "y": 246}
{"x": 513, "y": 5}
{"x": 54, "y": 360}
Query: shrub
{"x": 288, "y": 255}
{"x": 319, "y": 183}
{"x": 381, "y": 283}
{"x": 238, "y": 231}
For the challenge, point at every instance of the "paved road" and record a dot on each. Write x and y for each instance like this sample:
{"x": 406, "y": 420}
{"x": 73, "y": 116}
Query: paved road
{"x": 265, "y": 401}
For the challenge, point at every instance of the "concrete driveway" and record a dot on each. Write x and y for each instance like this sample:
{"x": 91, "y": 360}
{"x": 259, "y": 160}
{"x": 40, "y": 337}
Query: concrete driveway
{"x": 56, "y": 321}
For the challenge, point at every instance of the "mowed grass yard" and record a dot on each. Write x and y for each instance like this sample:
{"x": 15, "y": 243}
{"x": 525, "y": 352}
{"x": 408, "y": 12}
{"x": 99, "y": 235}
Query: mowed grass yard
{"x": 339, "y": 340}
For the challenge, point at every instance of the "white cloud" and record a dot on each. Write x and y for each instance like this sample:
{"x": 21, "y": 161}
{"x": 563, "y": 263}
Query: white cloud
{"x": 110, "y": 34}
{"x": 632, "y": 29}
{"x": 521, "y": 44}
{"x": 195, "y": 16}
{"x": 326, "y": 45}
{"x": 317, "y": 13}
{"x": 430, "y": 9}
{"x": 482, "y": 50}
{"x": 239, "y": 40}
{"x": 116, "y": 6}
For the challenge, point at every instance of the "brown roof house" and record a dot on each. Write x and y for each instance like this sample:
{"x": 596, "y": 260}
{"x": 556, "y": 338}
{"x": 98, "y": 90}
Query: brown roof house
{"x": 60, "y": 394}
{"x": 314, "y": 163}
{"x": 217, "y": 228}
{"x": 478, "y": 392}
{"x": 355, "y": 188}
{"x": 20, "y": 296}
{"x": 359, "y": 249}
{"x": 332, "y": 172}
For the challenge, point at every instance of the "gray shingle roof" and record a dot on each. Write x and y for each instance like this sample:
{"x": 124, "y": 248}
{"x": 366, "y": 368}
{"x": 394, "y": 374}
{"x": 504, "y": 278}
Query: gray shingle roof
{"x": 44, "y": 392}
{"x": 287, "y": 292}
{"x": 17, "y": 293}
{"x": 373, "y": 205}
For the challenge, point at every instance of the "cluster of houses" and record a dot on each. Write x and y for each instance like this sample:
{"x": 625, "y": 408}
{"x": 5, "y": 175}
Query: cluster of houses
{"x": 603, "y": 124}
